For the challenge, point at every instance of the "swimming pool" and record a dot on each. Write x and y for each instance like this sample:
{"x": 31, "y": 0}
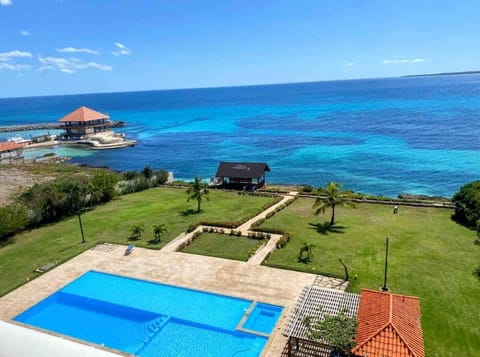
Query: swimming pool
{"x": 152, "y": 319}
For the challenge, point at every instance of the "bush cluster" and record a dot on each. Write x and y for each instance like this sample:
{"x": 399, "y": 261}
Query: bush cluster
{"x": 284, "y": 239}
{"x": 139, "y": 181}
{"x": 467, "y": 203}
{"x": 50, "y": 201}
{"x": 259, "y": 235}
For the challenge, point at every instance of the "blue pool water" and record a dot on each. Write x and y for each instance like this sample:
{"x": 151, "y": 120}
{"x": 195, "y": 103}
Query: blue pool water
{"x": 151, "y": 319}
{"x": 263, "y": 318}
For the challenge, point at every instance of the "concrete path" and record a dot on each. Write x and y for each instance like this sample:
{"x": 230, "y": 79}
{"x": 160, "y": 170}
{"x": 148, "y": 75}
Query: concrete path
{"x": 185, "y": 238}
{"x": 247, "y": 225}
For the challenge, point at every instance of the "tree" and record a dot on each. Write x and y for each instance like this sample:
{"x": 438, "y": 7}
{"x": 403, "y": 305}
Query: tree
{"x": 136, "y": 231}
{"x": 147, "y": 172}
{"x": 159, "y": 230}
{"x": 337, "y": 331}
{"x": 467, "y": 203}
{"x": 161, "y": 177}
{"x": 197, "y": 192}
{"x": 330, "y": 197}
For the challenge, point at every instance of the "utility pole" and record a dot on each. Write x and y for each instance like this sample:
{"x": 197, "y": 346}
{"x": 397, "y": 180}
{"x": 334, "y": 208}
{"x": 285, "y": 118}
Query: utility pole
{"x": 384, "y": 287}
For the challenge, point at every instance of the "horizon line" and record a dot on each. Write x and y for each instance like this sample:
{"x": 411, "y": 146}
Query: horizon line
{"x": 245, "y": 85}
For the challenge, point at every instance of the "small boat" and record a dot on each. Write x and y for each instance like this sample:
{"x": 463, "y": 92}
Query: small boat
{"x": 18, "y": 140}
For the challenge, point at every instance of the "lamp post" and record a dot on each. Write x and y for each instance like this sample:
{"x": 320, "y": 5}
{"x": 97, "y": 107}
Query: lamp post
{"x": 384, "y": 287}
{"x": 81, "y": 226}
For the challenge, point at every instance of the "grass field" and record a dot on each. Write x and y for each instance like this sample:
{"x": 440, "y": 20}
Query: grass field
{"x": 430, "y": 257}
{"x": 111, "y": 222}
{"x": 222, "y": 246}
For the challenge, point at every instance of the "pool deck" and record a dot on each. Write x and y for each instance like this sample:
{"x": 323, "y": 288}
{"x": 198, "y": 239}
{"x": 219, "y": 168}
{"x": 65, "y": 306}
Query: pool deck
{"x": 223, "y": 276}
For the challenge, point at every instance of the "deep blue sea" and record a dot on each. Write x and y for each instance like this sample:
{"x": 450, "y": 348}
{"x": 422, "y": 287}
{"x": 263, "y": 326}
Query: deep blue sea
{"x": 382, "y": 136}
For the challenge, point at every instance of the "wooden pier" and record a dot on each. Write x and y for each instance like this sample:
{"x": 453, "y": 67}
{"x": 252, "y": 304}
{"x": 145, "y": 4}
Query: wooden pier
{"x": 48, "y": 126}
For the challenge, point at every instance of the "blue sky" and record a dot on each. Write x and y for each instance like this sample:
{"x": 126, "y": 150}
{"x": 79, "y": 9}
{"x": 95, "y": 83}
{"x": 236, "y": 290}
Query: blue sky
{"x": 84, "y": 46}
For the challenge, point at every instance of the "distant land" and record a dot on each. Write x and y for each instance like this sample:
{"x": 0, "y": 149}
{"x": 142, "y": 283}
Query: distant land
{"x": 442, "y": 74}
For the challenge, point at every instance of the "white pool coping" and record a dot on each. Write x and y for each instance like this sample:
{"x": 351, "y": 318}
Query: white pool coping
{"x": 20, "y": 341}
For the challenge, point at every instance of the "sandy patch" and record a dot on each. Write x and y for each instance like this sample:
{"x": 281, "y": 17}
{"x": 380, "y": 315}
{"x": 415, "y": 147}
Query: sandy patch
{"x": 14, "y": 180}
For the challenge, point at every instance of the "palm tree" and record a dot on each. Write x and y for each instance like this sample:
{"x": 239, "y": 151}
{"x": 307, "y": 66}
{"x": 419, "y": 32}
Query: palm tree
{"x": 136, "y": 231}
{"x": 197, "y": 192}
{"x": 159, "y": 230}
{"x": 330, "y": 197}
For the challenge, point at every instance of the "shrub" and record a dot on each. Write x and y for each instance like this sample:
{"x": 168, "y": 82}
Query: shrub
{"x": 13, "y": 218}
{"x": 270, "y": 214}
{"x": 192, "y": 227}
{"x": 258, "y": 222}
{"x": 283, "y": 240}
{"x": 467, "y": 203}
{"x": 307, "y": 189}
{"x": 147, "y": 172}
{"x": 161, "y": 177}
{"x": 130, "y": 175}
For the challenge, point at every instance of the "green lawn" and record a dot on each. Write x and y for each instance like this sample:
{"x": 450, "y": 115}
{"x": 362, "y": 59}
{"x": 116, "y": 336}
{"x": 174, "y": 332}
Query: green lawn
{"x": 222, "y": 246}
{"x": 111, "y": 222}
{"x": 430, "y": 257}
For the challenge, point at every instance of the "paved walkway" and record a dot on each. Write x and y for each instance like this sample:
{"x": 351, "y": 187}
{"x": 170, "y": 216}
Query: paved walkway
{"x": 185, "y": 238}
{"x": 247, "y": 225}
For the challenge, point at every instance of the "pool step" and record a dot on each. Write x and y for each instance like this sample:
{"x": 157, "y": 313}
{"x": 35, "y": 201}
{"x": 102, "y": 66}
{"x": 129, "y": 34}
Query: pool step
{"x": 153, "y": 328}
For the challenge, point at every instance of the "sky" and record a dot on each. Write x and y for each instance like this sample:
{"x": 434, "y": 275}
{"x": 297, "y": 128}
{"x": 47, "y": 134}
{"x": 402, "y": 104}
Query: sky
{"x": 52, "y": 47}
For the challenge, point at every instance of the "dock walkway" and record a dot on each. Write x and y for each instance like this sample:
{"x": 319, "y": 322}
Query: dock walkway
{"x": 50, "y": 126}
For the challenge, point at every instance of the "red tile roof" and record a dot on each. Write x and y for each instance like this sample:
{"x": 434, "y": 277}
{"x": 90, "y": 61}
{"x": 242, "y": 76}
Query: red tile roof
{"x": 8, "y": 145}
{"x": 84, "y": 114}
{"x": 388, "y": 325}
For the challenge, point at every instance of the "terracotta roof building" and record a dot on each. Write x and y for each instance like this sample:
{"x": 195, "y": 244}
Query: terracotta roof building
{"x": 11, "y": 152}
{"x": 84, "y": 121}
{"x": 388, "y": 326}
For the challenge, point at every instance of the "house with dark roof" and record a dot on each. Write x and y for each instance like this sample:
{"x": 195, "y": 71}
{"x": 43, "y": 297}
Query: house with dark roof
{"x": 247, "y": 176}
{"x": 84, "y": 121}
{"x": 11, "y": 152}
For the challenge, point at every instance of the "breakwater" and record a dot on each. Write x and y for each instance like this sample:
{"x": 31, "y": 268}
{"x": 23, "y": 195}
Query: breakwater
{"x": 48, "y": 126}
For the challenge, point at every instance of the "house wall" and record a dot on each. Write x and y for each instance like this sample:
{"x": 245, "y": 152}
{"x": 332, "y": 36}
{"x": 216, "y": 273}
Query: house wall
{"x": 10, "y": 156}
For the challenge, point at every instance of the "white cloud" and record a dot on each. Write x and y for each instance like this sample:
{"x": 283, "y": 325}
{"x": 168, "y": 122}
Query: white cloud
{"x": 5, "y": 2}
{"x": 68, "y": 65}
{"x": 121, "y": 49}
{"x": 101, "y": 67}
{"x": 14, "y": 67}
{"x": 350, "y": 64}
{"x": 417, "y": 60}
{"x": 403, "y": 61}
{"x": 25, "y": 33}
{"x": 77, "y": 50}
{"x": 7, "y": 56}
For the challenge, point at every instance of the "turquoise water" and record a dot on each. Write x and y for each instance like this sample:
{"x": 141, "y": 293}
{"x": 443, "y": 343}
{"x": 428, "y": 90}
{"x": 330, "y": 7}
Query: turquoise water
{"x": 383, "y": 136}
{"x": 263, "y": 318}
{"x": 151, "y": 319}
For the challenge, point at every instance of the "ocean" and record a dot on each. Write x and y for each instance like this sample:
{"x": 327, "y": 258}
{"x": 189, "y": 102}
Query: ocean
{"x": 418, "y": 135}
